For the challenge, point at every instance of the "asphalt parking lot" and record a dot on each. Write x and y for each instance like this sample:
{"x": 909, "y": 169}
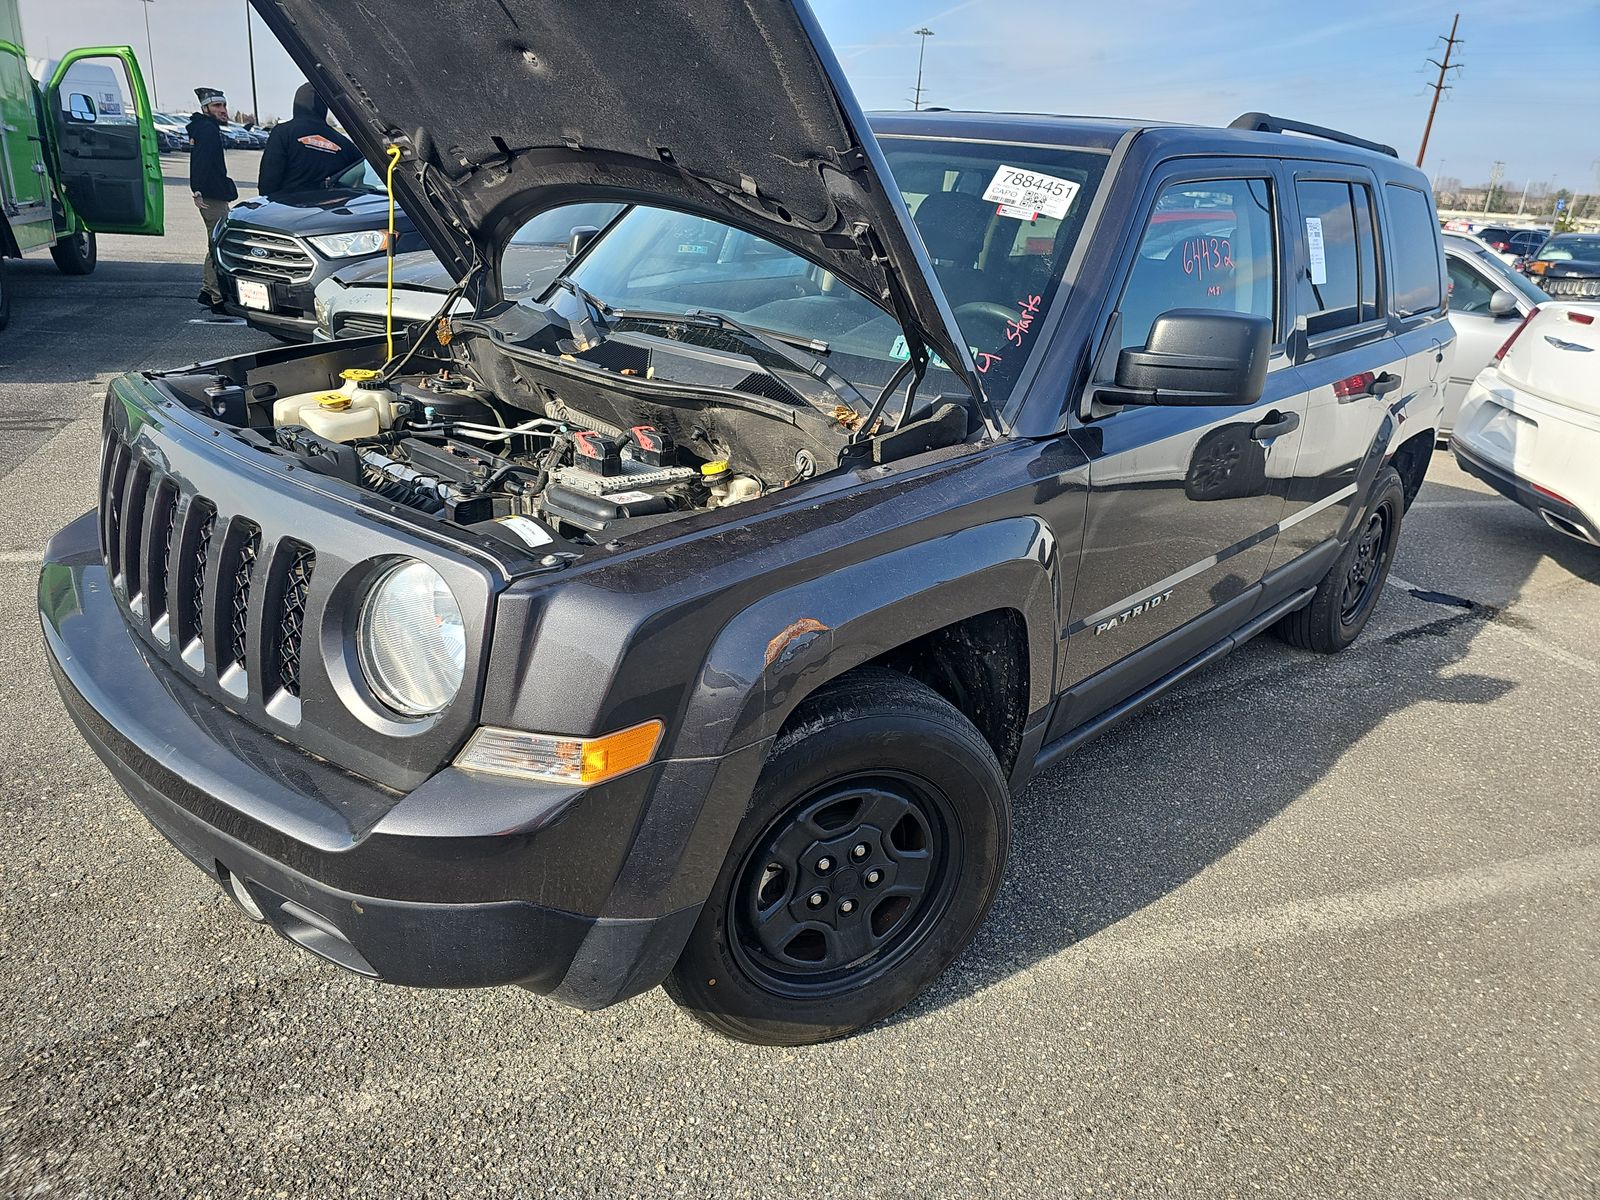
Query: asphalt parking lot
{"x": 1309, "y": 927}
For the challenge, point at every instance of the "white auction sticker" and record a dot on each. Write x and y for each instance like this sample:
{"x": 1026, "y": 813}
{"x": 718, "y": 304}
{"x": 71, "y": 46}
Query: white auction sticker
{"x": 1029, "y": 192}
{"x": 1314, "y": 251}
{"x": 529, "y": 531}
{"x": 628, "y": 497}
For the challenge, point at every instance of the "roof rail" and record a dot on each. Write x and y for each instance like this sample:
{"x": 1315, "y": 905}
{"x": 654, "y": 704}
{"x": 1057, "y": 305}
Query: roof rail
{"x": 1259, "y": 122}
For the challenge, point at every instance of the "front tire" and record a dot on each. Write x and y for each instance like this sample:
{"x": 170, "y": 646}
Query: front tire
{"x": 1349, "y": 592}
{"x": 874, "y": 844}
{"x": 5, "y": 295}
{"x": 76, "y": 255}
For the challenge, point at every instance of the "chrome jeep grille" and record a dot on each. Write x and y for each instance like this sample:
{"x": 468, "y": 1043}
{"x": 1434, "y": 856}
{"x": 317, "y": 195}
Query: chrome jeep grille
{"x": 1577, "y": 288}
{"x": 264, "y": 253}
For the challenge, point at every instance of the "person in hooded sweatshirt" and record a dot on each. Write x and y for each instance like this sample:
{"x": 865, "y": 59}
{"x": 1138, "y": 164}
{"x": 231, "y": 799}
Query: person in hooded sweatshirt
{"x": 305, "y": 154}
{"x": 208, "y": 180}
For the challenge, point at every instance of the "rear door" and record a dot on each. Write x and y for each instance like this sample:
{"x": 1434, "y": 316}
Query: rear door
{"x": 1346, "y": 346}
{"x": 24, "y": 190}
{"x": 108, "y": 161}
{"x": 1183, "y": 502}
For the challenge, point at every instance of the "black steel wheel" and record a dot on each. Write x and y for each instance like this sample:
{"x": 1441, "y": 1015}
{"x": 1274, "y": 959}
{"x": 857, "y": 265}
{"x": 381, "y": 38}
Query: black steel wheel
{"x": 1349, "y": 593}
{"x": 844, "y": 882}
{"x": 873, "y": 846}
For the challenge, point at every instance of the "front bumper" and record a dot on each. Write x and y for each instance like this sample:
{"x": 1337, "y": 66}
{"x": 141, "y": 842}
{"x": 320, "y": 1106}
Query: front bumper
{"x": 292, "y": 316}
{"x": 448, "y": 886}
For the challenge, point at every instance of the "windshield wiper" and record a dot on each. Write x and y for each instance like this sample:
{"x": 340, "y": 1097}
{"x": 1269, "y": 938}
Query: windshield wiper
{"x": 836, "y": 383}
{"x": 588, "y": 297}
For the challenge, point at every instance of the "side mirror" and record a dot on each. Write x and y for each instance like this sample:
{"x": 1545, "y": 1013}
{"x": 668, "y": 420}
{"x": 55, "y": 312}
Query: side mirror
{"x": 1502, "y": 304}
{"x": 80, "y": 109}
{"x": 1195, "y": 357}
{"x": 579, "y": 237}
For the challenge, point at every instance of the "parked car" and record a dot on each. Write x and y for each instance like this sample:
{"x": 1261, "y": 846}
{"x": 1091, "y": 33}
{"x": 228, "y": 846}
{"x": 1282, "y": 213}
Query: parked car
{"x": 354, "y": 302}
{"x": 1487, "y": 300}
{"x": 172, "y": 133}
{"x": 273, "y": 251}
{"x": 1567, "y": 267}
{"x": 1530, "y": 426}
{"x": 695, "y": 620}
{"x": 1511, "y": 242}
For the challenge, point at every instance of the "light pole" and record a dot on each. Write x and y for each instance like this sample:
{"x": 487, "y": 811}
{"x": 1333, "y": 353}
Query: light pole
{"x": 1495, "y": 172}
{"x": 250, "y": 43}
{"x": 924, "y": 33}
{"x": 150, "y": 54}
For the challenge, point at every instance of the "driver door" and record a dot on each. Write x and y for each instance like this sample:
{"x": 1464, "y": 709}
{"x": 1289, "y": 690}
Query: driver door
{"x": 107, "y": 157}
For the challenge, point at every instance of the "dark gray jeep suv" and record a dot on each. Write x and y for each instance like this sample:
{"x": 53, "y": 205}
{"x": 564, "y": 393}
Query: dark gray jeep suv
{"x": 695, "y": 620}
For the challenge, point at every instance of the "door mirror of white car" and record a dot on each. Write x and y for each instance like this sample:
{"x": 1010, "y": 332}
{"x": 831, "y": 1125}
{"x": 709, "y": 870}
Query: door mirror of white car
{"x": 1503, "y": 304}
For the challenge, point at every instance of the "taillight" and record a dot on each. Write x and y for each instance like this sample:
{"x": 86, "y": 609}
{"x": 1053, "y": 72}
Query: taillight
{"x": 1499, "y": 247}
{"x": 1516, "y": 333}
{"x": 1581, "y": 318}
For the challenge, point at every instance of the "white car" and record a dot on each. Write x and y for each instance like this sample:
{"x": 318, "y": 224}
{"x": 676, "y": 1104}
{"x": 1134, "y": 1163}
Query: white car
{"x": 1487, "y": 301}
{"x": 1530, "y": 425}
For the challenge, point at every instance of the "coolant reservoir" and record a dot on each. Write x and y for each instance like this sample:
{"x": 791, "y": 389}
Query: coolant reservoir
{"x": 363, "y": 405}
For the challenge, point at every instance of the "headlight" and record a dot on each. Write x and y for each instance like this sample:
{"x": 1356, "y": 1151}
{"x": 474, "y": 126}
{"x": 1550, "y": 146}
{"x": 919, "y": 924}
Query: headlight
{"x": 347, "y": 245}
{"x": 324, "y": 311}
{"x": 412, "y": 642}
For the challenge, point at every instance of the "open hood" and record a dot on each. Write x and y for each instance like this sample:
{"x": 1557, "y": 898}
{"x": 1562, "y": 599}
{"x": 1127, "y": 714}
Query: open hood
{"x": 736, "y": 109}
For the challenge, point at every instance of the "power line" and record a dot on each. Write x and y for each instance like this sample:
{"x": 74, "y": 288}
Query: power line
{"x": 1440, "y": 88}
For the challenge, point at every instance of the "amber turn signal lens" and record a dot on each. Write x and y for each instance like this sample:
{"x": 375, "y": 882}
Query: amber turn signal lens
{"x": 581, "y": 761}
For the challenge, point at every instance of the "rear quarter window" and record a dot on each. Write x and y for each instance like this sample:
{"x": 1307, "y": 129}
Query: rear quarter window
{"x": 1418, "y": 268}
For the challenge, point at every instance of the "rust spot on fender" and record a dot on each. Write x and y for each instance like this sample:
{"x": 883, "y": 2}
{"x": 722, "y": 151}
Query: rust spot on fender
{"x": 794, "y": 630}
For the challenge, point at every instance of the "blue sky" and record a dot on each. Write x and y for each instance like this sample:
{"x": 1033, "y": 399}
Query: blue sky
{"x": 1529, "y": 94}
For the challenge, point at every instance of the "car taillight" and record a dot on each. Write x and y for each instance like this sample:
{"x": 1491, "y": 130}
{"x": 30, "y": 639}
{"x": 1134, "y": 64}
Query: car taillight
{"x": 1581, "y": 318}
{"x": 1499, "y": 247}
{"x": 1516, "y": 333}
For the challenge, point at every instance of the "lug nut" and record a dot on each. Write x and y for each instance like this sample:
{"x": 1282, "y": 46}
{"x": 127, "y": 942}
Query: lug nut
{"x": 815, "y": 900}
{"x": 874, "y": 875}
{"x": 860, "y": 850}
{"x": 824, "y": 864}
{"x": 846, "y": 906}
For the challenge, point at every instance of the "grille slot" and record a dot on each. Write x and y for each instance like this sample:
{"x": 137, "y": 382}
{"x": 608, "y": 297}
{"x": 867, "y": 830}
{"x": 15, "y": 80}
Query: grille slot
{"x": 263, "y": 253}
{"x": 131, "y": 530}
{"x": 299, "y": 563}
{"x": 111, "y": 512}
{"x": 246, "y": 547}
{"x": 1570, "y": 287}
{"x": 164, "y": 522}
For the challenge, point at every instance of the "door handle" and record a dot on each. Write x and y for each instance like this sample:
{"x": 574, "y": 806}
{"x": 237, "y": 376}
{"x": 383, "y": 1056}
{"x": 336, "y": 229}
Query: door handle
{"x": 1383, "y": 384}
{"x": 1275, "y": 425}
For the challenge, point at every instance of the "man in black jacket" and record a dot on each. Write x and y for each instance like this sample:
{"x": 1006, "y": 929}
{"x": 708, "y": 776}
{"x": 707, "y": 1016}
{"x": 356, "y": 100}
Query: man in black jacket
{"x": 208, "y": 180}
{"x": 305, "y": 154}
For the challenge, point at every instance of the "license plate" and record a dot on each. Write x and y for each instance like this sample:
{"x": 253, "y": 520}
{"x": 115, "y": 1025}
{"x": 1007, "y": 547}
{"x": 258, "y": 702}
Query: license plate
{"x": 254, "y": 295}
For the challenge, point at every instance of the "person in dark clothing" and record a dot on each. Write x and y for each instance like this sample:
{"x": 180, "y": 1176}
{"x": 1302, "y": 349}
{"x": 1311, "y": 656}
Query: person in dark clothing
{"x": 305, "y": 154}
{"x": 208, "y": 180}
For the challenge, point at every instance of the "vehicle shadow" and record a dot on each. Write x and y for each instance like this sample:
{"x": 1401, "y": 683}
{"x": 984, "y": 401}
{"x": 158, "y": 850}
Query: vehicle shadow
{"x": 1141, "y": 811}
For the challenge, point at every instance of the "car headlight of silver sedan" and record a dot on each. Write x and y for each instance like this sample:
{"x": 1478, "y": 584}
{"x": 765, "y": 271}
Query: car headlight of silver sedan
{"x": 348, "y": 245}
{"x": 411, "y": 640}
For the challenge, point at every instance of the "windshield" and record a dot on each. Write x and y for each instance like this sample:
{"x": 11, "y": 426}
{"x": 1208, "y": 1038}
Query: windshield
{"x": 998, "y": 265}
{"x": 1565, "y": 249}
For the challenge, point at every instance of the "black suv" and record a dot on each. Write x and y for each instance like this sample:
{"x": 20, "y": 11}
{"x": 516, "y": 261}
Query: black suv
{"x": 695, "y": 620}
{"x": 273, "y": 251}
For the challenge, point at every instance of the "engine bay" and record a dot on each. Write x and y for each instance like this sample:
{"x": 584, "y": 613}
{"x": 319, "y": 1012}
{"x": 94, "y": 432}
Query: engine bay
{"x": 565, "y": 445}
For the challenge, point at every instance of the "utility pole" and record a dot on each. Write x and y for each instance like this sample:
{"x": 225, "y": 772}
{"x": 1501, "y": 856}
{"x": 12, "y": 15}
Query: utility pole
{"x": 1439, "y": 88}
{"x": 916, "y": 93}
{"x": 250, "y": 44}
{"x": 1524, "y": 200}
{"x": 1495, "y": 173}
{"x": 150, "y": 55}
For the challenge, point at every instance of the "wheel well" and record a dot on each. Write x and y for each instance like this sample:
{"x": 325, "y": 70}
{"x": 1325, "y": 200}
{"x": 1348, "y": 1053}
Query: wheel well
{"x": 980, "y": 665}
{"x": 8, "y": 241}
{"x": 1411, "y": 461}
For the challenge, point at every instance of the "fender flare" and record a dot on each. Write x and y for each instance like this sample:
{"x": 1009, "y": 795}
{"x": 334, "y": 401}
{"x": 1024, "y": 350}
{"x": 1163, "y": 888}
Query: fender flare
{"x": 779, "y": 650}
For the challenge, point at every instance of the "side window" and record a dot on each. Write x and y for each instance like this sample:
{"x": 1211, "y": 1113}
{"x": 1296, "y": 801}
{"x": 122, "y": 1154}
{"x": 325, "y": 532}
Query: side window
{"x": 1469, "y": 291}
{"x": 1206, "y": 245}
{"x": 1340, "y": 287}
{"x": 1416, "y": 271}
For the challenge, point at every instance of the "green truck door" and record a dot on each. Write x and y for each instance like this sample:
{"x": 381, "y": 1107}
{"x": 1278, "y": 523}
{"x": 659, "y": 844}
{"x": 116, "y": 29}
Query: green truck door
{"x": 107, "y": 158}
